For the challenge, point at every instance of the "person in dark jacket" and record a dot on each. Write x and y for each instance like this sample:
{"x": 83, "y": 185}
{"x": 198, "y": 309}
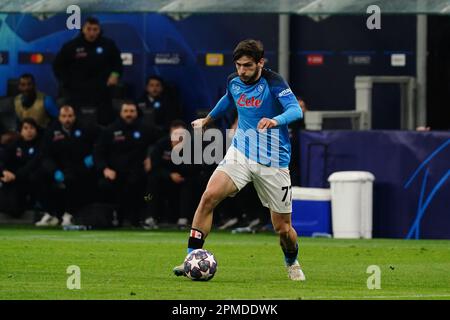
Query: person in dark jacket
{"x": 159, "y": 106}
{"x": 86, "y": 67}
{"x": 20, "y": 175}
{"x": 69, "y": 165}
{"x": 169, "y": 184}
{"x": 121, "y": 157}
{"x": 175, "y": 188}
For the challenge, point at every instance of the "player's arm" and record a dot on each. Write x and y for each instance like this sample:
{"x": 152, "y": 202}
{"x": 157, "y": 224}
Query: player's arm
{"x": 291, "y": 108}
{"x": 218, "y": 111}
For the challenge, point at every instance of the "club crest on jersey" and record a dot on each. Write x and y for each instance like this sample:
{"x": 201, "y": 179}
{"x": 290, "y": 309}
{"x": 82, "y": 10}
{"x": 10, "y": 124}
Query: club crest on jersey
{"x": 243, "y": 101}
{"x": 77, "y": 133}
{"x": 260, "y": 88}
{"x": 136, "y": 134}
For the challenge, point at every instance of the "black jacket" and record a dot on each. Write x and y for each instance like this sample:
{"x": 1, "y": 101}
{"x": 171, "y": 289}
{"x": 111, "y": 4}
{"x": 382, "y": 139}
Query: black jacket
{"x": 22, "y": 158}
{"x": 163, "y": 166}
{"x": 83, "y": 67}
{"x": 122, "y": 147}
{"x": 61, "y": 151}
{"x": 161, "y": 111}
{"x": 162, "y": 163}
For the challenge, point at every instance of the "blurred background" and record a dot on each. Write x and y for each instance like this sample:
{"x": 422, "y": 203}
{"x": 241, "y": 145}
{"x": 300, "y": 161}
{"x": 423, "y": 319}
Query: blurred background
{"x": 377, "y": 100}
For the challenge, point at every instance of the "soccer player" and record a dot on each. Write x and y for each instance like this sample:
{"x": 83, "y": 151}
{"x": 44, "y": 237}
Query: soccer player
{"x": 265, "y": 105}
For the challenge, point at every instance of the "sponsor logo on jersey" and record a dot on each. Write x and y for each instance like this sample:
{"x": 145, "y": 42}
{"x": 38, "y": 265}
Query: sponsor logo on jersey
{"x": 58, "y": 135}
{"x": 235, "y": 88}
{"x": 80, "y": 52}
{"x": 243, "y": 101}
{"x": 118, "y": 136}
{"x": 285, "y": 92}
{"x": 167, "y": 155}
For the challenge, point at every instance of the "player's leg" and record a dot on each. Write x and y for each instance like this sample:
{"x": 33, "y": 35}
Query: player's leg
{"x": 273, "y": 186}
{"x": 230, "y": 176}
{"x": 219, "y": 187}
{"x": 288, "y": 236}
{"x": 282, "y": 225}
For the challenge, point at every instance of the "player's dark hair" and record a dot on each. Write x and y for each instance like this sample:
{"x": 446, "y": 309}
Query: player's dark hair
{"x": 251, "y": 48}
{"x": 28, "y": 76}
{"x": 33, "y": 123}
{"x": 92, "y": 20}
{"x": 29, "y": 121}
{"x": 155, "y": 77}
{"x": 67, "y": 106}
{"x": 178, "y": 123}
{"x": 129, "y": 102}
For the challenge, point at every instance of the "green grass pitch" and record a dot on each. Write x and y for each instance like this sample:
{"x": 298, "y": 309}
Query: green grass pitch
{"x": 129, "y": 264}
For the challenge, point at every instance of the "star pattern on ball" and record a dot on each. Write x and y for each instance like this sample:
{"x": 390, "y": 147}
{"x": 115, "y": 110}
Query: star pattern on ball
{"x": 194, "y": 262}
{"x": 200, "y": 264}
{"x": 211, "y": 259}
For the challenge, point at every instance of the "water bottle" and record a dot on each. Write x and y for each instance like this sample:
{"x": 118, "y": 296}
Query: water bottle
{"x": 115, "y": 221}
{"x": 243, "y": 230}
{"x": 321, "y": 235}
{"x": 75, "y": 228}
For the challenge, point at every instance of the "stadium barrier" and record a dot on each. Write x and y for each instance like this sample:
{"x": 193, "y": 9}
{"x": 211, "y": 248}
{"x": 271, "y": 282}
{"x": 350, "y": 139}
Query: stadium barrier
{"x": 412, "y": 170}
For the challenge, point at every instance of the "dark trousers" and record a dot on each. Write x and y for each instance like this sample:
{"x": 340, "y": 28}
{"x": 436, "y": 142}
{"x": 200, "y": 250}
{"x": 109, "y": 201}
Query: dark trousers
{"x": 22, "y": 194}
{"x": 77, "y": 190}
{"x": 165, "y": 200}
{"x": 171, "y": 201}
{"x": 126, "y": 193}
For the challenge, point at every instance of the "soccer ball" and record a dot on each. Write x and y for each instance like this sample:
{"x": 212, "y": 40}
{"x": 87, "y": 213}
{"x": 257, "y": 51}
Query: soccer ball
{"x": 200, "y": 265}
